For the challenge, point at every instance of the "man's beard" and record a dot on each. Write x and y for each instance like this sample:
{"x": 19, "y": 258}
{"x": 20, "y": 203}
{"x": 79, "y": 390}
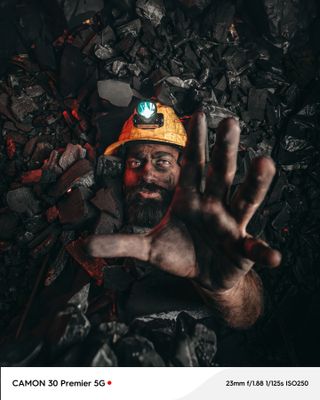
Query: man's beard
{"x": 144, "y": 212}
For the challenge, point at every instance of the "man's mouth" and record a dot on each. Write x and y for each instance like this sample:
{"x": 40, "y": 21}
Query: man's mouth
{"x": 146, "y": 194}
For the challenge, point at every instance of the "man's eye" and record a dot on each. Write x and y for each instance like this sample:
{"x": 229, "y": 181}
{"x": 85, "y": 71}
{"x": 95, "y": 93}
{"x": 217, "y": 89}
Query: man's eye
{"x": 134, "y": 163}
{"x": 163, "y": 163}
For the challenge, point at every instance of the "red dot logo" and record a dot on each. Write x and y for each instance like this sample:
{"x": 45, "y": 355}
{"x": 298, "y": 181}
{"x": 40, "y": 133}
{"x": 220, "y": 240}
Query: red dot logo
{"x": 109, "y": 382}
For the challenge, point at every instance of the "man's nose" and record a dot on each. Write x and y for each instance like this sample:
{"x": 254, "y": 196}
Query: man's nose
{"x": 149, "y": 174}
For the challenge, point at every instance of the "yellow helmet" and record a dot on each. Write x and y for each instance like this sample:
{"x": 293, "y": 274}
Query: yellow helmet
{"x": 170, "y": 129}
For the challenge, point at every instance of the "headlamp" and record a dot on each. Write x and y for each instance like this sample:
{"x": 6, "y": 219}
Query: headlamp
{"x": 146, "y": 116}
{"x": 146, "y": 109}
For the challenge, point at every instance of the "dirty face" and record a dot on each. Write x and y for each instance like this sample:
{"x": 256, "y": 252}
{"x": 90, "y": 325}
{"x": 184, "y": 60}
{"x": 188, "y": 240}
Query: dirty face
{"x": 151, "y": 174}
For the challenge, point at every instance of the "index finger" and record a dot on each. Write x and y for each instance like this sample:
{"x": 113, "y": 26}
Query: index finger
{"x": 119, "y": 245}
{"x": 194, "y": 155}
{"x": 224, "y": 158}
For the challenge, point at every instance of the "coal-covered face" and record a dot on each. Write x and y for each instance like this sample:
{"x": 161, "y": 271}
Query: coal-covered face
{"x": 151, "y": 174}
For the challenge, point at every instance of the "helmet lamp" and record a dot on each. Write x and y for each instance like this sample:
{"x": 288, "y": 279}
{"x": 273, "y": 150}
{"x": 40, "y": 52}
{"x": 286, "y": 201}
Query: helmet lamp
{"x": 146, "y": 116}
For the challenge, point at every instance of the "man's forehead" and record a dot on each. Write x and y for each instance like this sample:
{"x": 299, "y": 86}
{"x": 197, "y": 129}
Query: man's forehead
{"x": 155, "y": 149}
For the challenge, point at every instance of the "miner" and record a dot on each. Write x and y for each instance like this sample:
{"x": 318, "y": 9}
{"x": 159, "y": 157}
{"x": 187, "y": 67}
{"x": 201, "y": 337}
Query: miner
{"x": 188, "y": 236}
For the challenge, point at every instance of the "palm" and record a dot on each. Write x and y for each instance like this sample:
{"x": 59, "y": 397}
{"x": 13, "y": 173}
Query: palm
{"x": 203, "y": 235}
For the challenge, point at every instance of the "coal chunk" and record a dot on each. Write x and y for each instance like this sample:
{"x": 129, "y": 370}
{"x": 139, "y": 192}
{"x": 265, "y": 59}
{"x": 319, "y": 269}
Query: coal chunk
{"x": 199, "y": 4}
{"x": 22, "y": 200}
{"x": 80, "y": 299}
{"x": 74, "y": 209}
{"x": 77, "y": 11}
{"x": 137, "y": 351}
{"x": 281, "y": 20}
{"x": 131, "y": 28}
{"x": 41, "y": 152}
{"x": 109, "y": 167}
{"x": 113, "y": 331}
{"x": 107, "y": 223}
{"x": 72, "y": 178}
{"x": 100, "y": 355}
{"x": 257, "y": 103}
{"x": 196, "y": 344}
{"x": 218, "y": 20}
{"x": 160, "y": 331}
{"x": 22, "y": 106}
{"x": 104, "y": 52}
{"x": 152, "y": 10}
{"x": 69, "y": 327}
{"x": 72, "y": 153}
{"x": 117, "y": 92}
{"x": 108, "y": 200}
{"x": 216, "y": 114}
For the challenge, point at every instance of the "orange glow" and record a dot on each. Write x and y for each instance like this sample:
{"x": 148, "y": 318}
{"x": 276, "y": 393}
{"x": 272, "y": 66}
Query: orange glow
{"x": 87, "y": 22}
{"x": 75, "y": 114}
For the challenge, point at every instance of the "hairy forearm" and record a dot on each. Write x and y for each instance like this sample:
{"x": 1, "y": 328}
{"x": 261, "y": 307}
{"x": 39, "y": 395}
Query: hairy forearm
{"x": 239, "y": 306}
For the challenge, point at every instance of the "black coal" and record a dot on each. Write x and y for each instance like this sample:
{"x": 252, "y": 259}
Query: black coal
{"x": 71, "y": 72}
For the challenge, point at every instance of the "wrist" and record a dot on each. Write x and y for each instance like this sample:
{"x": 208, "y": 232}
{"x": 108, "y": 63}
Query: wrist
{"x": 239, "y": 306}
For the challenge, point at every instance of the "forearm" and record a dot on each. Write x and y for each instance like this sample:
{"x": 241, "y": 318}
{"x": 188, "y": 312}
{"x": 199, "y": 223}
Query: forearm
{"x": 239, "y": 306}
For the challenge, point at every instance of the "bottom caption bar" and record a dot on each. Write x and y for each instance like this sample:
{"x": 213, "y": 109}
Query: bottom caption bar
{"x": 159, "y": 383}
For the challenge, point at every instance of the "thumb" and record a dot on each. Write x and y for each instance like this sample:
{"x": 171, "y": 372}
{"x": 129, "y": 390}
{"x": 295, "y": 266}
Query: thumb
{"x": 121, "y": 245}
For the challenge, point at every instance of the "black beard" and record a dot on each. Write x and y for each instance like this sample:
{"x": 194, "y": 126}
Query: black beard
{"x": 146, "y": 213}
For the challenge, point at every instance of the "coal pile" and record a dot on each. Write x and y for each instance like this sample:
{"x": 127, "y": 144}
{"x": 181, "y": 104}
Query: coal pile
{"x": 71, "y": 72}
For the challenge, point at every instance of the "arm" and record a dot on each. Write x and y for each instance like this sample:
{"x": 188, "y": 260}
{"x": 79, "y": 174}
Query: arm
{"x": 239, "y": 306}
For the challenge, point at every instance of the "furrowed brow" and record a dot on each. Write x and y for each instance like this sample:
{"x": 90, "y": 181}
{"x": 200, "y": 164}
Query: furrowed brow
{"x": 137, "y": 154}
{"x": 162, "y": 154}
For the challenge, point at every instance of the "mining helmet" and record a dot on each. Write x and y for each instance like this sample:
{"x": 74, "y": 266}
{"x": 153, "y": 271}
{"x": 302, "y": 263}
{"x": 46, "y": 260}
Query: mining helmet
{"x": 151, "y": 121}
